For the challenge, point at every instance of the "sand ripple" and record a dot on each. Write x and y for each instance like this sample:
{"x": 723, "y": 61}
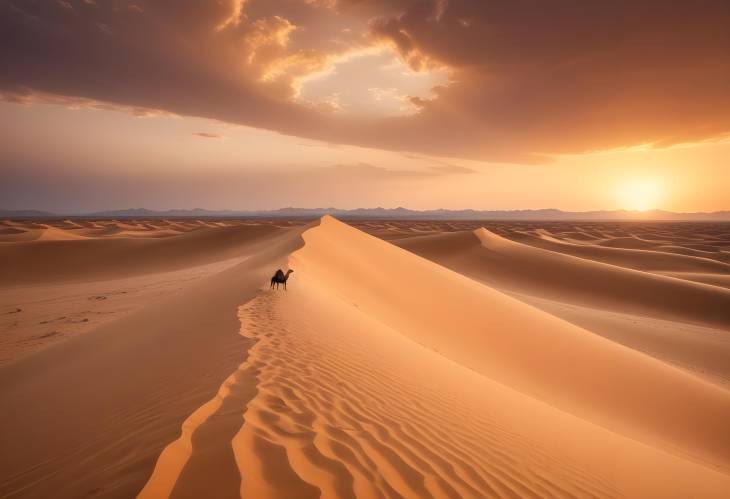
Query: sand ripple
{"x": 335, "y": 400}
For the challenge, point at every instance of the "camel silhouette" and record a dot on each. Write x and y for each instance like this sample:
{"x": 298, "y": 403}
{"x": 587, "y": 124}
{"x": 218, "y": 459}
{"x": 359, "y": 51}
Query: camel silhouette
{"x": 280, "y": 278}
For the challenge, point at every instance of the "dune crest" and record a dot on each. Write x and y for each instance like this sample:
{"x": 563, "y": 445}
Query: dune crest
{"x": 675, "y": 320}
{"x": 361, "y": 390}
{"x": 519, "y": 267}
{"x": 516, "y": 344}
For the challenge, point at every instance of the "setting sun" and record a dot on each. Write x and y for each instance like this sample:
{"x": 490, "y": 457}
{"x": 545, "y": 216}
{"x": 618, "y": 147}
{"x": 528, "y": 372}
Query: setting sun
{"x": 639, "y": 194}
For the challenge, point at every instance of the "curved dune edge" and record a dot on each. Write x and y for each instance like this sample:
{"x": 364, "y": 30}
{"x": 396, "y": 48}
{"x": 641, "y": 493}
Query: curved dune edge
{"x": 174, "y": 457}
{"x": 341, "y": 416}
{"x": 665, "y": 317}
{"x": 519, "y": 267}
{"x": 518, "y": 345}
{"x": 348, "y": 403}
{"x": 719, "y": 280}
{"x": 78, "y": 259}
{"x": 349, "y": 406}
{"x": 658, "y": 294}
{"x": 641, "y": 255}
{"x": 89, "y": 416}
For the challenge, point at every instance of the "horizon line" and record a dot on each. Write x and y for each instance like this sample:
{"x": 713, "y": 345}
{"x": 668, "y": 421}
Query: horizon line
{"x": 379, "y": 212}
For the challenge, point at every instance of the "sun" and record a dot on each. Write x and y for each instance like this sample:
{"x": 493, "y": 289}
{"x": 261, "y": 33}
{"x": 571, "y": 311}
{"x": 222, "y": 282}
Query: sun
{"x": 639, "y": 194}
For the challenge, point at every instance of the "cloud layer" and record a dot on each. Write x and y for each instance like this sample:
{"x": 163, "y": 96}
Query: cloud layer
{"x": 528, "y": 79}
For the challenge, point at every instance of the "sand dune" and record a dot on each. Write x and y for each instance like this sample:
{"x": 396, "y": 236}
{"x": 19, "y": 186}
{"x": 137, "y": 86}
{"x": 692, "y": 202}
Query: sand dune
{"x": 522, "y": 268}
{"x": 714, "y": 279}
{"x": 61, "y": 260}
{"x": 715, "y": 255}
{"x": 38, "y": 233}
{"x": 39, "y": 316}
{"x": 623, "y": 305}
{"x": 71, "y": 229}
{"x": 91, "y": 414}
{"x": 379, "y": 373}
{"x": 495, "y": 334}
{"x": 365, "y": 389}
{"x": 56, "y": 234}
{"x": 630, "y": 242}
{"x": 639, "y": 258}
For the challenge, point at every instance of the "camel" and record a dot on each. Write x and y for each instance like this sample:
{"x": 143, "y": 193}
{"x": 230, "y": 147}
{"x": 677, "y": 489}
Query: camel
{"x": 280, "y": 278}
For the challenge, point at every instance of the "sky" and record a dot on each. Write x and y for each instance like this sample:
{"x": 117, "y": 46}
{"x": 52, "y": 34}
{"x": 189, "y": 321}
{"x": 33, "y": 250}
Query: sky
{"x": 261, "y": 104}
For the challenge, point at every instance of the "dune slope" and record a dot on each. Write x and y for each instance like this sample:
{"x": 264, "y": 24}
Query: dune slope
{"x": 639, "y": 255}
{"x": 521, "y": 268}
{"x": 77, "y": 258}
{"x": 645, "y": 312}
{"x": 381, "y": 374}
{"x": 89, "y": 416}
{"x": 515, "y": 344}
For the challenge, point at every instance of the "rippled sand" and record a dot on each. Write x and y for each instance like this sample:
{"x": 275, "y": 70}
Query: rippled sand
{"x": 454, "y": 360}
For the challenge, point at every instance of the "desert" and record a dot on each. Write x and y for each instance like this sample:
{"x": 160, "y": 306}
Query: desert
{"x": 284, "y": 249}
{"x": 151, "y": 358}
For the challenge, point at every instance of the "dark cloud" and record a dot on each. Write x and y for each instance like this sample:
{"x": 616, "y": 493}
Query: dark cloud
{"x": 566, "y": 76}
{"x": 529, "y": 78}
{"x": 207, "y": 135}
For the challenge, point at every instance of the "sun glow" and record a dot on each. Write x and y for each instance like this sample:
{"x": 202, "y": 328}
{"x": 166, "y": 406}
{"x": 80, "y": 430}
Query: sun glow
{"x": 639, "y": 194}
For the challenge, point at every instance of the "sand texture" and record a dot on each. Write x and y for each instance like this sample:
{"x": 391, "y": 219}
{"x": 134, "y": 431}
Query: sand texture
{"x": 405, "y": 359}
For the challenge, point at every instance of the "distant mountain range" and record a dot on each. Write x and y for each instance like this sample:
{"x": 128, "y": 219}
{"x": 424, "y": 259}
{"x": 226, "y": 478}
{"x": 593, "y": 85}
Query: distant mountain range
{"x": 383, "y": 213}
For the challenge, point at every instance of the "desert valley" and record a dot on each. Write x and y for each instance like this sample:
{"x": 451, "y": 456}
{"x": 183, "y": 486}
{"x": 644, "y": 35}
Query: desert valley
{"x": 150, "y": 358}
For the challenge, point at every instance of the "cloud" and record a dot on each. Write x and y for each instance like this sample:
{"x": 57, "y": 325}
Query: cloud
{"x": 26, "y": 97}
{"x": 445, "y": 169}
{"x": 527, "y": 80}
{"x": 561, "y": 77}
{"x": 208, "y": 135}
{"x": 366, "y": 170}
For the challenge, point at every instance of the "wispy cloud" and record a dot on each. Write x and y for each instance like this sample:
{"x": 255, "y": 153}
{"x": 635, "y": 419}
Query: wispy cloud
{"x": 446, "y": 169}
{"x": 208, "y": 135}
{"x": 374, "y": 172}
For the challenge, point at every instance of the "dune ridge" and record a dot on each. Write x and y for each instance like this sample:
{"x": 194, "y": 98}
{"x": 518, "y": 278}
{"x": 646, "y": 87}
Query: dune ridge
{"x": 638, "y": 309}
{"x": 85, "y": 258}
{"x": 519, "y": 267}
{"x": 632, "y": 252}
{"x": 454, "y": 361}
{"x": 497, "y": 337}
{"x": 361, "y": 390}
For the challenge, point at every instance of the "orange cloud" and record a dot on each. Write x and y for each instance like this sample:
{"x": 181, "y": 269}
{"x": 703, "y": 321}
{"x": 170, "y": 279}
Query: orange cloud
{"x": 527, "y": 80}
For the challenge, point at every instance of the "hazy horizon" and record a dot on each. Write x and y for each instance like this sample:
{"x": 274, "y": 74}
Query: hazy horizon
{"x": 357, "y": 208}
